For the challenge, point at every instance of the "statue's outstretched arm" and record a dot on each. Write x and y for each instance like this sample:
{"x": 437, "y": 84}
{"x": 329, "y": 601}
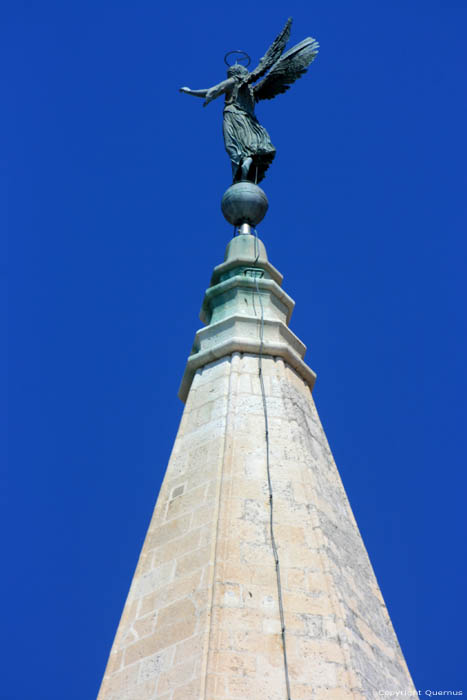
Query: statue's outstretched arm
{"x": 195, "y": 93}
{"x": 211, "y": 93}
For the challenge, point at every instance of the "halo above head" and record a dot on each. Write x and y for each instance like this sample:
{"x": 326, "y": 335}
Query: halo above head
{"x": 241, "y": 57}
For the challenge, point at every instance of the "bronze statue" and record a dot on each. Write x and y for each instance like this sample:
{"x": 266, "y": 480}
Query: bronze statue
{"x": 246, "y": 141}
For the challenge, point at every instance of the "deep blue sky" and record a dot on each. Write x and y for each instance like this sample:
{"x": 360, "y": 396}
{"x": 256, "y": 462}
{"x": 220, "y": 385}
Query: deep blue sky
{"x": 111, "y": 182}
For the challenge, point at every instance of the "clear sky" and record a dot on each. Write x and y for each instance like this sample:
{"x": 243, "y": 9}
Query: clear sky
{"x": 110, "y": 189}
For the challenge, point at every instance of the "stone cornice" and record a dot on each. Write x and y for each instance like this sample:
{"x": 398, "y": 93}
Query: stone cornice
{"x": 242, "y": 281}
{"x": 245, "y": 295}
{"x": 244, "y": 261}
{"x": 241, "y": 334}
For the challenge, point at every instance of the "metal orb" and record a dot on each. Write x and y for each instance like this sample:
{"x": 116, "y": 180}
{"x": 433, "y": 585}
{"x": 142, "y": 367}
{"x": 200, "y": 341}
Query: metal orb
{"x": 244, "y": 203}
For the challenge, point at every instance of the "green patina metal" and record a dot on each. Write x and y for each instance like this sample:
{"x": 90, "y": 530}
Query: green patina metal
{"x": 246, "y": 141}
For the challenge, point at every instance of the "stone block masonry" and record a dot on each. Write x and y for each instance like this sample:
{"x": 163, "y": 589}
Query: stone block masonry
{"x": 201, "y": 620}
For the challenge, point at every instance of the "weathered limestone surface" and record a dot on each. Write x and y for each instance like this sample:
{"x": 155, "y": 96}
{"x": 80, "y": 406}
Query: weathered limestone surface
{"x": 202, "y": 620}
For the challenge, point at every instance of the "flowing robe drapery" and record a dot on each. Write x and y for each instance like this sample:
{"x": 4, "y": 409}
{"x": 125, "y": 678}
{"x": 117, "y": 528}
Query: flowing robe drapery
{"x": 244, "y": 136}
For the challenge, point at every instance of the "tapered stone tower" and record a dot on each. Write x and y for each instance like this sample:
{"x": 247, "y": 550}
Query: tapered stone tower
{"x": 253, "y": 582}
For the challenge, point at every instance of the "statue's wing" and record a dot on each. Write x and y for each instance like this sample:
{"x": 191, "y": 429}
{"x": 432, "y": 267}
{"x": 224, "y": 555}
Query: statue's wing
{"x": 272, "y": 54}
{"x": 291, "y": 66}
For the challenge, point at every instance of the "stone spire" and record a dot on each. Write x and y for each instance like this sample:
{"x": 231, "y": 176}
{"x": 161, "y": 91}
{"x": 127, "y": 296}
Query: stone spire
{"x": 203, "y": 618}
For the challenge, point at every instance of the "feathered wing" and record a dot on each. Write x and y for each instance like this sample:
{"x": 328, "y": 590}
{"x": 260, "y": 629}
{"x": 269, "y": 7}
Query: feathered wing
{"x": 289, "y": 68}
{"x": 272, "y": 54}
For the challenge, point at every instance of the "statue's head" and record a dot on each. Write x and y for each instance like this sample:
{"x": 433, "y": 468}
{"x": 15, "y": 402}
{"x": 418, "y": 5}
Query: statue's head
{"x": 237, "y": 71}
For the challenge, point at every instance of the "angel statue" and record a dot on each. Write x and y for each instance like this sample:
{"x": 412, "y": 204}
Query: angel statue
{"x": 246, "y": 141}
